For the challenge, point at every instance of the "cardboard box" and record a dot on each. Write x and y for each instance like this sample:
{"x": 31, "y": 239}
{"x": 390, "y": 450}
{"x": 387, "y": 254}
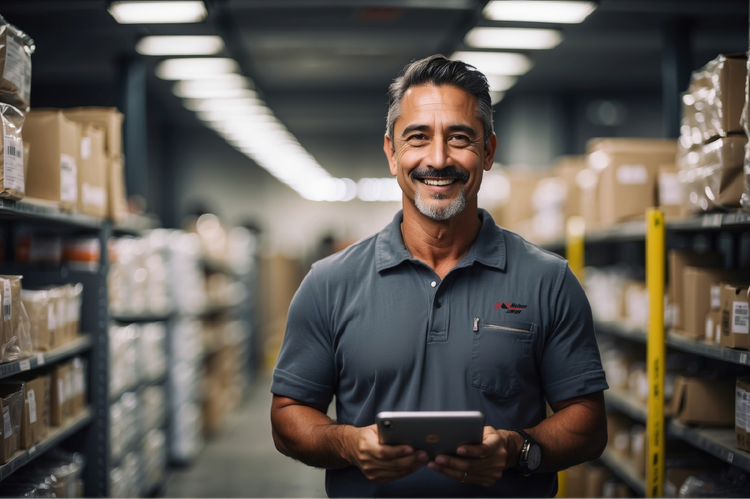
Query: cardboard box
{"x": 11, "y": 300}
{"x": 117, "y": 201}
{"x": 518, "y": 207}
{"x": 11, "y": 409}
{"x": 59, "y": 405}
{"x": 742, "y": 413}
{"x": 12, "y": 159}
{"x": 669, "y": 193}
{"x": 568, "y": 168}
{"x": 588, "y": 185}
{"x": 92, "y": 174}
{"x": 628, "y": 171}
{"x": 107, "y": 117}
{"x": 54, "y": 150}
{"x": 704, "y": 401}
{"x": 735, "y": 312}
{"x": 697, "y": 298}
{"x": 639, "y": 449}
{"x": 724, "y": 177}
{"x": 618, "y": 434}
{"x": 35, "y": 412}
{"x": 678, "y": 260}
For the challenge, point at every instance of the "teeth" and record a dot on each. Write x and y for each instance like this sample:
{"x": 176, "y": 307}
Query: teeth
{"x": 439, "y": 182}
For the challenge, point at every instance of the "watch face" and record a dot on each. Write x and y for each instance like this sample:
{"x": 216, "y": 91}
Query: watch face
{"x": 534, "y": 457}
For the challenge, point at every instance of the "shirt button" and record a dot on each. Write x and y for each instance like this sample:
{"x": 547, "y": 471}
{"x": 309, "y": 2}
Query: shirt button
{"x": 437, "y": 304}
{"x": 433, "y": 284}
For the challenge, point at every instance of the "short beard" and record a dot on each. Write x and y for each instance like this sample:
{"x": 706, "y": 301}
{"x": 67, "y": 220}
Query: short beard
{"x": 437, "y": 213}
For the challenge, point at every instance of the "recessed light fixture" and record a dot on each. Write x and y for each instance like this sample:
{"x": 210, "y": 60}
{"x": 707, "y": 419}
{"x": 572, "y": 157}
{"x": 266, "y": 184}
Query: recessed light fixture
{"x": 165, "y": 12}
{"x": 196, "y": 68}
{"x": 496, "y": 63}
{"x": 539, "y": 11}
{"x": 513, "y": 38}
{"x": 180, "y": 45}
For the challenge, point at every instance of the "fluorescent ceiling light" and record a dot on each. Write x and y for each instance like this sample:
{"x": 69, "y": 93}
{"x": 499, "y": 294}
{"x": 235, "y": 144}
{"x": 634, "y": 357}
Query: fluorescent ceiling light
{"x": 220, "y": 104}
{"x": 500, "y": 83}
{"x": 496, "y": 97}
{"x": 158, "y": 12}
{"x": 196, "y": 68}
{"x": 513, "y": 38}
{"x": 540, "y": 12}
{"x": 496, "y": 63}
{"x": 210, "y": 93}
{"x": 180, "y": 45}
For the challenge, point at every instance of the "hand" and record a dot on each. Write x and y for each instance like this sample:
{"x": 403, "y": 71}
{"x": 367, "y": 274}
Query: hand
{"x": 382, "y": 463}
{"x": 480, "y": 464}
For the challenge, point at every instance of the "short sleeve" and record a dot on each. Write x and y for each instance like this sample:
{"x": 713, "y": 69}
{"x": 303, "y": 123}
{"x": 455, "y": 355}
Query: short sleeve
{"x": 305, "y": 369}
{"x": 571, "y": 364}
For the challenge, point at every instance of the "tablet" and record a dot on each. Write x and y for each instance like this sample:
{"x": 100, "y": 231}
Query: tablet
{"x": 439, "y": 432}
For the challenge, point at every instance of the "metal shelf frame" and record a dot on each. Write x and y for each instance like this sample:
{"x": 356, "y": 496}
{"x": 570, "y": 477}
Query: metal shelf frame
{"x": 719, "y": 442}
{"x": 55, "y": 437}
{"x": 94, "y": 440}
{"x": 78, "y": 346}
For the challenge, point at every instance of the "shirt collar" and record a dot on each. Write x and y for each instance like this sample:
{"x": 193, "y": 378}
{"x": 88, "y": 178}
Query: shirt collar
{"x": 488, "y": 249}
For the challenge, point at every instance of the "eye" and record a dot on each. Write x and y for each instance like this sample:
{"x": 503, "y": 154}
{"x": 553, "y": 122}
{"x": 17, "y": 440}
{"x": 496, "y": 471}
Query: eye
{"x": 460, "y": 139}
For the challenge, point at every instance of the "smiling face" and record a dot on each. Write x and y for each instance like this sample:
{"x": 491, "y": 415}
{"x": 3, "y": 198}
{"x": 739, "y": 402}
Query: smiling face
{"x": 438, "y": 152}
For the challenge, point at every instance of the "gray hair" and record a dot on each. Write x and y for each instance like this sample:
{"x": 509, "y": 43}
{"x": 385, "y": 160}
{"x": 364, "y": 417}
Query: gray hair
{"x": 438, "y": 70}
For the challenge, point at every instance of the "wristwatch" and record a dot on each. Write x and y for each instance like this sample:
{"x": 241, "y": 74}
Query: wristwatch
{"x": 531, "y": 454}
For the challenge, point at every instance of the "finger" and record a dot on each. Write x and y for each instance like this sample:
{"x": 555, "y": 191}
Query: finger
{"x": 491, "y": 442}
{"x": 452, "y": 473}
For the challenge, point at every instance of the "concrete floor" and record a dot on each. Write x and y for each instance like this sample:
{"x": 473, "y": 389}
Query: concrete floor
{"x": 241, "y": 461}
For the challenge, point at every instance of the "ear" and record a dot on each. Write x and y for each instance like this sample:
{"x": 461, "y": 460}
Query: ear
{"x": 489, "y": 153}
{"x": 390, "y": 154}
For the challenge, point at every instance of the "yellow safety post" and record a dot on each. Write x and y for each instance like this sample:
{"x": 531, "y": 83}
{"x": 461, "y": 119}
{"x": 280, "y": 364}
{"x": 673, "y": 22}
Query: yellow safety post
{"x": 575, "y": 230}
{"x": 656, "y": 355}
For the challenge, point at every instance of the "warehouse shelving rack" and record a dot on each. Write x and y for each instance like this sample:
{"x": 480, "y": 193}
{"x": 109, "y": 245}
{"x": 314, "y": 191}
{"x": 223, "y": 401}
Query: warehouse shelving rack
{"x": 718, "y": 442}
{"x": 88, "y": 432}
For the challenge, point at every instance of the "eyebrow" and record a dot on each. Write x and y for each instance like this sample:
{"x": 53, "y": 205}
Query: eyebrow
{"x": 452, "y": 128}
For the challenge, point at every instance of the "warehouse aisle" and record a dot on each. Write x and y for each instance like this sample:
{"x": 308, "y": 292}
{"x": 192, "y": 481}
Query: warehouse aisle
{"x": 241, "y": 461}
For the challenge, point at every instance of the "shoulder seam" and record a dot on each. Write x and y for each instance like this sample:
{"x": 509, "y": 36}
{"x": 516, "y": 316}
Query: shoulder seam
{"x": 323, "y": 318}
{"x": 558, "y": 285}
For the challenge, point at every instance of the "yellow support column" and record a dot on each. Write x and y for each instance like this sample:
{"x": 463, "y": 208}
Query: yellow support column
{"x": 575, "y": 230}
{"x": 656, "y": 355}
{"x": 574, "y": 245}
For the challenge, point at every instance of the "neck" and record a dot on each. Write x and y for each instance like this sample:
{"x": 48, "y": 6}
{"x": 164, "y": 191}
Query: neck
{"x": 440, "y": 245}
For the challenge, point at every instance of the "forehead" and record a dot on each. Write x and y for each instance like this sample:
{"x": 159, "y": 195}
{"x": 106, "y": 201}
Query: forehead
{"x": 430, "y": 102}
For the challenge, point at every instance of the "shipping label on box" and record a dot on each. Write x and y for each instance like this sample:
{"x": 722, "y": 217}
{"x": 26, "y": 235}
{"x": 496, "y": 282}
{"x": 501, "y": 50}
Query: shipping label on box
{"x": 735, "y": 326}
{"x": 697, "y": 298}
{"x": 12, "y": 182}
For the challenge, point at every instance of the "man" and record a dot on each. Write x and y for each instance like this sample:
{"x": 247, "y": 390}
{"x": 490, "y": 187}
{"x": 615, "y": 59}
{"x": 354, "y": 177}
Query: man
{"x": 442, "y": 310}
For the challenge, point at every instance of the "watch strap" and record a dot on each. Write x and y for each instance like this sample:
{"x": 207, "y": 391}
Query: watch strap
{"x": 522, "y": 464}
{"x": 525, "y": 435}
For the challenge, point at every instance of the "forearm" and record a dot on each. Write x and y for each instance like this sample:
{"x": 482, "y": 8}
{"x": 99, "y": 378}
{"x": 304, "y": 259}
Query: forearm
{"x": 310, "y": 436}
{"x": 574, "y": 434}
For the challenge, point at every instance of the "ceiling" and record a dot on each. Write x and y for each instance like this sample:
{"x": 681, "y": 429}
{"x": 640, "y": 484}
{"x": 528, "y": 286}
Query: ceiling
{"x": 324, "y": 65}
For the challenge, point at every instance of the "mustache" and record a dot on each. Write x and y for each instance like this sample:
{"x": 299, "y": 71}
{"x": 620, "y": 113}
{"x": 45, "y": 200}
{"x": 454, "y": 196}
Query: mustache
{"x": 447, "y": 172}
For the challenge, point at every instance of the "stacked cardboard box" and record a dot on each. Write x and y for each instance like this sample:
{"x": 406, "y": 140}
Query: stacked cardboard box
{"x": 712, "y": 141}
{"x": 54, "y": 315}
{"x": 76, "y": 160}
{"x": 68, "y": 390}
{"x": 15, "y": 340}
{"x": 622, "y": 178}
{"x": 11, "y": 409}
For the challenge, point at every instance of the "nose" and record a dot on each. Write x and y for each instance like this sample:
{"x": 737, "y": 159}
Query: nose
{"x": 438, "y": 156}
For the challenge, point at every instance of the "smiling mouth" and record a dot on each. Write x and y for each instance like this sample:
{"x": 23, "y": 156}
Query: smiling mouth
{"x": 440, "y": 182}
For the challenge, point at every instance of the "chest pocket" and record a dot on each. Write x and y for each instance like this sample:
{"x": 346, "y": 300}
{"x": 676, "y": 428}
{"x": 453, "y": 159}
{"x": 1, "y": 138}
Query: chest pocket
{"x": 501, "y": 356}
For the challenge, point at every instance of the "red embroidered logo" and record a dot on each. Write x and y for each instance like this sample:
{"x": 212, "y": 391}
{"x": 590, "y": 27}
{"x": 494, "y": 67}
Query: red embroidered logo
{"x": 511, "y": 308}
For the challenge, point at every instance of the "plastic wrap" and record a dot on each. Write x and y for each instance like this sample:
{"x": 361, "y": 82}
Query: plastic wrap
{"x": 730, "y": 482}
{"x": 153, "y": 407}
{"x": 153, "y": 355}
{"x": 744, "y": 119}
{"x": 16, "y": 48}
{"x": 41, "y": 322}
{"x": 123, "y": 364}
{"x": 154, "y": 458}
{"x": 713, "y": 102}
{"x": 16, "y": 327}
{"x": 12, "y": 178}
{"x": 125, "y": 480}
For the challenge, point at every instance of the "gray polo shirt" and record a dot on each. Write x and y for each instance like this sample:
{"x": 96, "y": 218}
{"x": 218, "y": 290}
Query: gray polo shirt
{"x": 506, "y": 329}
